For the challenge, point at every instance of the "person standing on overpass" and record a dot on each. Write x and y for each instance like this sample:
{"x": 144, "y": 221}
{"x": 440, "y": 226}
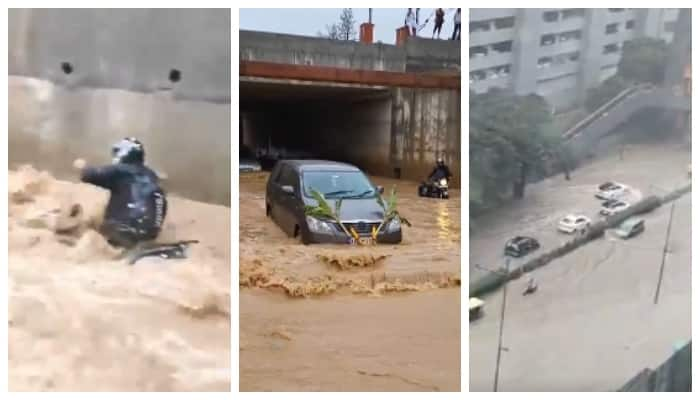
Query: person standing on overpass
{"x": 456, "y": 34}
{"x": 439, "y": 19}
{"x": 410, "y": 22}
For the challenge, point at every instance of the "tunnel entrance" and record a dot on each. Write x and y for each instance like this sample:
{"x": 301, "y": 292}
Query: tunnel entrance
{"x": 296, "y": 119}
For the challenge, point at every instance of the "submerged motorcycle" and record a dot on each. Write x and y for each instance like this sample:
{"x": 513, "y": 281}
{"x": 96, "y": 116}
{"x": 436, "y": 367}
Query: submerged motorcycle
{"x": 435, "y": 189}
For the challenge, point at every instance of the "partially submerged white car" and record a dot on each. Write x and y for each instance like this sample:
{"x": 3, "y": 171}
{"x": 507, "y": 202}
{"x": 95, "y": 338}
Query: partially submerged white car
{"x": 574, "y": 223}
{"x": 611, "y": 191}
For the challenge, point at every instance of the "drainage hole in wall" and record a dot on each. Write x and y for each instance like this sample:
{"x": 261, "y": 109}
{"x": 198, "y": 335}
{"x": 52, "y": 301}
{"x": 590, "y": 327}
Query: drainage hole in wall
{"x": 66, "y": 67}
{"x": 174, "y": 75}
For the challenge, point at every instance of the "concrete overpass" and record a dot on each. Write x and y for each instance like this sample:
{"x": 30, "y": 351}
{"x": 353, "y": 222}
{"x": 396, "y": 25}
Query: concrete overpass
{"x": 673, "y": 95}
{"x": 389, "y": 109}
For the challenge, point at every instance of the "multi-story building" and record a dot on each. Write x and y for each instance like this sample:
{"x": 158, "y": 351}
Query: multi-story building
{"x": 556, "y": 53}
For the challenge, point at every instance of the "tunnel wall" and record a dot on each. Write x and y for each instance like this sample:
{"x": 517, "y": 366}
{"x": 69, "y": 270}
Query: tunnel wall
{"x": 119, "y": 86}
{"x": 425, "y": 124}
{"x": 50, "y": 126}
{"x": 132, "y": 49}
{"x": 405, "y": 131}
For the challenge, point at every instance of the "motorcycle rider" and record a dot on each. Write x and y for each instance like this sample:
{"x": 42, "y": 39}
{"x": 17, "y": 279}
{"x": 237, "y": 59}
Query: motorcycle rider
{"x": 440, "y": 171}
{"x": 137, "y": 205}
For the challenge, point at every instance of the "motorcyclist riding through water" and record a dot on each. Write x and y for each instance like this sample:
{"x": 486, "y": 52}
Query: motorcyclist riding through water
{"x": 437, "y": 184}
{"x": 137, "y": 205}
{"x": 440, "y": 172}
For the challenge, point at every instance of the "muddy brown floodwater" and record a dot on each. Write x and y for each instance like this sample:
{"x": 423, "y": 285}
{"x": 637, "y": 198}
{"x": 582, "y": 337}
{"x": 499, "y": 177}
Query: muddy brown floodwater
{"x": 342, "y": 318}
{"x": 81, "y": 320}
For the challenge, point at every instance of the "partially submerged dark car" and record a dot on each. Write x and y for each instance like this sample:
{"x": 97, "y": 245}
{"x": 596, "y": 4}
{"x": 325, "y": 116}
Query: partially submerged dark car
{"x": 520, "y": 246}
{"x": 289, "y": 190}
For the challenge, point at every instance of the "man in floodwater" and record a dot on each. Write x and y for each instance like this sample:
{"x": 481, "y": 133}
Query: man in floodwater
{"x": 137, "y": 205}
{"x": 440, "y": 171}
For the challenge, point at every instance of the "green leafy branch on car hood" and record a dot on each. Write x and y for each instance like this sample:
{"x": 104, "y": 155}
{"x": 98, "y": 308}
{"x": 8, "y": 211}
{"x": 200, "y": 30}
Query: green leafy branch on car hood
{"x": 389, "y": 207}
{"x": 323, "y": 210}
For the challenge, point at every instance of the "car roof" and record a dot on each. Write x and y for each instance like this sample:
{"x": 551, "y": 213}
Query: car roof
{"x": 319, "y": 165}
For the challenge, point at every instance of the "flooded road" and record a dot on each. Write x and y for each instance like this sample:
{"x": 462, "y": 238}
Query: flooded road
{"x": 593, "y": 323}
{"x": 80, "y": 320}
{"x": 331, "y": 317}
{"x": 648, "y": 167}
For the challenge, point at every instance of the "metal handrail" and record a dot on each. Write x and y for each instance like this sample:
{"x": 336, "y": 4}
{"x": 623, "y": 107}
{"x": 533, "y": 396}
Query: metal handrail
{"x": 602, "y": 110}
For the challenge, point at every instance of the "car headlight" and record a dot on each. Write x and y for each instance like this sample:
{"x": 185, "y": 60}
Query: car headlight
{"x": 394, "y": 225}
{"x": 318, "y": 226}
{"x": 443, "y": 182}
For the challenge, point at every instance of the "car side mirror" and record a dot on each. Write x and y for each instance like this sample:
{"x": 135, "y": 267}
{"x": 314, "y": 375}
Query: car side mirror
{"x": 380, "y": 189}
{"x": 289, "y": 189}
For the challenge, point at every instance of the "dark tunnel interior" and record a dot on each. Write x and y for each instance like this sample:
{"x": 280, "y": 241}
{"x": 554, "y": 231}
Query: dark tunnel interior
{"x": 321, "y": 121}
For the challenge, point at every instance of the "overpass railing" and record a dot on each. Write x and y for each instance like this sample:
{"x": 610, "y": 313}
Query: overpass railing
{"x": 603, "y": 110}
{"x": 318, "y": 73}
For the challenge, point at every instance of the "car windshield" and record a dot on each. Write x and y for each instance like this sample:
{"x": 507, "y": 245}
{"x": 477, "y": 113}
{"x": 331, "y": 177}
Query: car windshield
{"x": 338, "y": 184}
{"x": 608, "y": 186}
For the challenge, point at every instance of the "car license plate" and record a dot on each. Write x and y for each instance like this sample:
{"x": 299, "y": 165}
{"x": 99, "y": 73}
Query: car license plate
{"x": 363, "y": 241}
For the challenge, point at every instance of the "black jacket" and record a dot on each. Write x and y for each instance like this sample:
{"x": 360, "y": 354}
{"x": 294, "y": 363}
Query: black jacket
{"x": 440, "y": 172}
{"x": 136, "y": 198}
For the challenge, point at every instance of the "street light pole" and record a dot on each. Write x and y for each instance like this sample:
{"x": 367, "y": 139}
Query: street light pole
{"x": 500, "y": 329}
{"x": 370, "y": 15}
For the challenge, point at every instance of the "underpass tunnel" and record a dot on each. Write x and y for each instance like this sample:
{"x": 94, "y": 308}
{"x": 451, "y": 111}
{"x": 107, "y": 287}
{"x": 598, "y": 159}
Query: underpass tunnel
{"x": 348, "y": 123}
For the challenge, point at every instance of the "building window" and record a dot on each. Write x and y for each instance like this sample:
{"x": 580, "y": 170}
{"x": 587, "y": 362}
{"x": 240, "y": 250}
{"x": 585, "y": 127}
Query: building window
{"x": 504, "y": 23}
{"x": 611, "y": 48}
{"x": 477, "y": 76}
{"x": 669, "y": 26}
{"x": 544, "y": 62}
{"x": 572, "y": 13}
{"x": 503, "y": 47}
{"x": 630, "y": 24}
{"x": 479, "y": 26}
{"x": 500, "y": 71}
{"x": 550, "y": 16}
{"x": 478, "y": 51}
{"x": 547, "y": 40}
{"x": 570, "y": 35}
{"x": 610, "y": 29}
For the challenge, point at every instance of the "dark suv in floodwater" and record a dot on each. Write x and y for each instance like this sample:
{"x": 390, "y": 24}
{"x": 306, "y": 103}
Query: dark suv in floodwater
{"x": 289, "y": 190}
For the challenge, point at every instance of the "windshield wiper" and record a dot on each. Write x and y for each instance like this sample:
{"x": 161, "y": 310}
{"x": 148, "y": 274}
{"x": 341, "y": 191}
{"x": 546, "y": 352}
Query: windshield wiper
{"x": 337, "y": 192}
{"x": 363, "y": 194}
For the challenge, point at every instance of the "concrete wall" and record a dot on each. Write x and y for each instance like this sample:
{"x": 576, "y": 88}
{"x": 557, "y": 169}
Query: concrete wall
{"x": 132, "y": 49}
{"x": 50, "y": 126}
{"x": 429, "y": 55}
{"x": 416, "y": 55}
{"x": 524, "y": 68}
{"x": 425, "y": 124}
{"x": 293, "y": 49}
{"x": 119, "y": 86}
